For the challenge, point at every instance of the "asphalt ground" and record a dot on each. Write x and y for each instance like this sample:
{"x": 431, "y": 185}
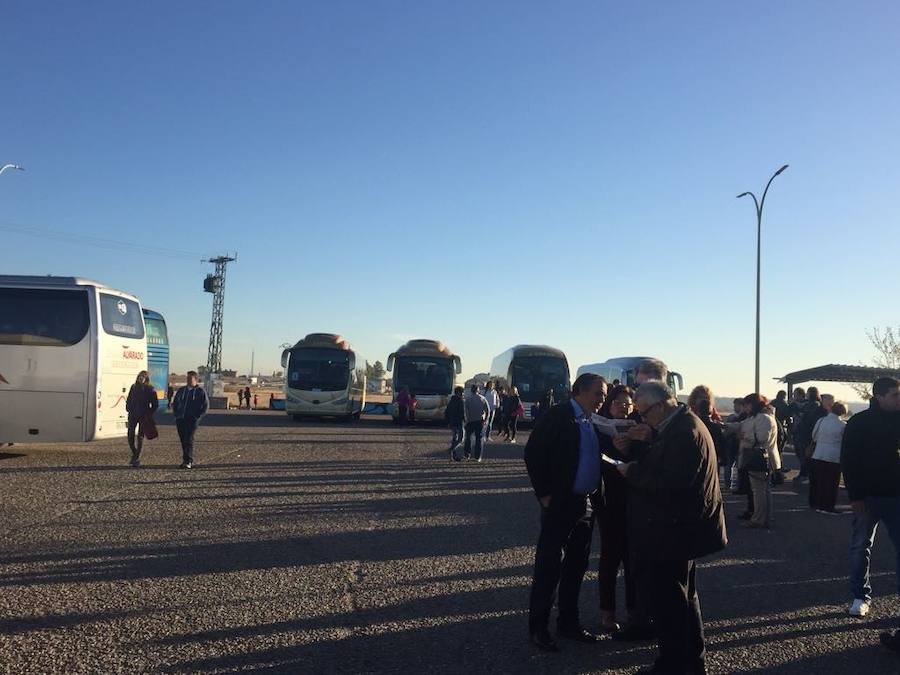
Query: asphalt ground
{"x": 360, "y": 548}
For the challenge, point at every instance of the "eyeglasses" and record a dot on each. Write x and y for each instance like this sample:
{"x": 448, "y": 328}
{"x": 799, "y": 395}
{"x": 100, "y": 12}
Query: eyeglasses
{"x": 643, "y": 413}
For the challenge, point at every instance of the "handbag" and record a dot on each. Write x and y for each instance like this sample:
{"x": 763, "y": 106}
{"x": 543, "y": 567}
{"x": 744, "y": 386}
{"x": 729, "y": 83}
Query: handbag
{"x": 759, "y": 457}
{"x": 148, "y": 427}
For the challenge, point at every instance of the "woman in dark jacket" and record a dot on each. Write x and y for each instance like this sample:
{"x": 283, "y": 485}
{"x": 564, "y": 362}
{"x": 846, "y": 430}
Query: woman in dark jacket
{"x": 141, "y": 402}
{"x": 612, "y": 519}
{"x": 511, "y": 411}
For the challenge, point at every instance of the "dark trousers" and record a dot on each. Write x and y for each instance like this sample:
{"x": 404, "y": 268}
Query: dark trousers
{"x": 613, "y": 553}
{"x": 561, "y": 560}
{"x": 676, "y": 616}
{"x": 402, "y": 415}
{"x": 135, "y": 437}
{"x": 474, "y": 429}
{"x": 824, "y": 479}
{"x": 187, "y": 427}
{"x": 511, "y": 423}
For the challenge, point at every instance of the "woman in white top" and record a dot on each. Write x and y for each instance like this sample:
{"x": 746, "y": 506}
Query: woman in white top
{"x": 825, "y": 463}
{"x": 759, "y": 455}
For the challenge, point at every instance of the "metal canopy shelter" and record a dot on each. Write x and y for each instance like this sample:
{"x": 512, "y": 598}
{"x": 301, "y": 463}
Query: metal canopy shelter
{"x": 837, "y": 373}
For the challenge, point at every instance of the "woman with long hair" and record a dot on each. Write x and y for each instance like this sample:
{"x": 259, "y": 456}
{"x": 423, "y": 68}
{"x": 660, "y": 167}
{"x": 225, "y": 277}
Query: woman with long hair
{"x": 612, "y": 517}
{"x": 140, "y": 403}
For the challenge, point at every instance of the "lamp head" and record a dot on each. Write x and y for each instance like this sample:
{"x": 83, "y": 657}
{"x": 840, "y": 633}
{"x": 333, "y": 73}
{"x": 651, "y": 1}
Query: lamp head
{"x": 743, "y": 194}
{"x": 781, "y": 169}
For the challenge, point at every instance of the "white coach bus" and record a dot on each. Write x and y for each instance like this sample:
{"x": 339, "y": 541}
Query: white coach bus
{"x": 428, "y": 369}
{"x": 70, "y": 349}
{"x": 623, "y": 370}
{"x": 533, "y": 370}
{"x": 325, "y": 378}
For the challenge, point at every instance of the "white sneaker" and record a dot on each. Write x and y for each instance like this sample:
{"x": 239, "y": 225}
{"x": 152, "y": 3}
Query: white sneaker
{"x": 859, "y": 608}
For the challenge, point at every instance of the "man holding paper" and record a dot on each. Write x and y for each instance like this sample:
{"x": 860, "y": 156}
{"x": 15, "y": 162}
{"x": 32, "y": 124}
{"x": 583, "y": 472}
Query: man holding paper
{"x": 675, "y": 517}
{"x": 564, "y": 463}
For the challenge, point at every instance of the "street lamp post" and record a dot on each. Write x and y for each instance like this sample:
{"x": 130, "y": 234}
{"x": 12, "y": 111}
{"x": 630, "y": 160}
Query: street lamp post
{"x": 12, "y": 167}
{"x": 759, "y": 209}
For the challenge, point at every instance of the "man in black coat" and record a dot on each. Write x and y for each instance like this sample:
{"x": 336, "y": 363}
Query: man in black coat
{"x": 870, "y": 461}
{"x": 563, "y": 460}
{"x": 675, "y": 517}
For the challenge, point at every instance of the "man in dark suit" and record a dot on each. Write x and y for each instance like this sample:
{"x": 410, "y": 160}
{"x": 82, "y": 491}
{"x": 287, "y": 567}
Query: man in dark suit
{"x": 563, "y": 460}
{"x": 677, "y": 516}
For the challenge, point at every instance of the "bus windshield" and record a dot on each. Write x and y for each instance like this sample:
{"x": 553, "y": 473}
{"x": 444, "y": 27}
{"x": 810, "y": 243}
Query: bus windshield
{"x": 535, "y": 375}
{"x": 156, "y": 332}
{"x": 424, "y": 375}
{"x": 319, "y": 369}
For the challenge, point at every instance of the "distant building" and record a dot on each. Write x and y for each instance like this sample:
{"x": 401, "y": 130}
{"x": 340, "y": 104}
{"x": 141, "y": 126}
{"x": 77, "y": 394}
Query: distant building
{"x": 376, "y": 385}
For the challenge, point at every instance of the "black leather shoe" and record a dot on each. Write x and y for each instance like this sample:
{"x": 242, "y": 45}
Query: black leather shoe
{"x": 891, "y": 641}
{"x": 634, "y": 633}
{"x": 577, "y": 633}
{"x": 544, "y": 641}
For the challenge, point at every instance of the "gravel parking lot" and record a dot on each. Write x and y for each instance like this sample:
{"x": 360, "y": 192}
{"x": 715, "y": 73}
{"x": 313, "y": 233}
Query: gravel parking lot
{"x": 355, "y": 548}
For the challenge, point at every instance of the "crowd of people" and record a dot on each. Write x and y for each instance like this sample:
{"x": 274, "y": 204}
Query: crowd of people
{"x": 650, "y": 473}
{"x": 478, "y": 414}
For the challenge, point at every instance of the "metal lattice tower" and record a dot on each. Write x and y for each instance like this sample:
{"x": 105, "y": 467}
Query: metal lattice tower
{"x": 215, "y": 284}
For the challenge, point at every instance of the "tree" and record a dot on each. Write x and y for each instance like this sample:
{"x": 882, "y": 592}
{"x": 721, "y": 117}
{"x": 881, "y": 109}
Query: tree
{"x": 887, "y": 355}
{"x": 374, "y": 371}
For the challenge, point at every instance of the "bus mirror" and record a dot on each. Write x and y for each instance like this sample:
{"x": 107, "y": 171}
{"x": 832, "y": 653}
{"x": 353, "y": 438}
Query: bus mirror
{"x": 677, "y": 378}
{"x": 457, "y": 364}
{"x": 352, "y": 361}
{"x": 284, "y": 358}
{"x": 390, "y": 362}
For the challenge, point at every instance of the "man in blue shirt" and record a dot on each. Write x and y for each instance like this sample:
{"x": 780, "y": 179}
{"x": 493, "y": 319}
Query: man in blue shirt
{"x": 563, "y": 460}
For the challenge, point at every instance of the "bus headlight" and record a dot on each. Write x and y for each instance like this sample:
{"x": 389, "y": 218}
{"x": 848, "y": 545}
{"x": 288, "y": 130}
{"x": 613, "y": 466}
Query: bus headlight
{"x": 341, "y": 401}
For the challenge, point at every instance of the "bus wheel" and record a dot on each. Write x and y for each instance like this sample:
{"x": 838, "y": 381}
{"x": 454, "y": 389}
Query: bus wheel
{"x": 355, "y": 416}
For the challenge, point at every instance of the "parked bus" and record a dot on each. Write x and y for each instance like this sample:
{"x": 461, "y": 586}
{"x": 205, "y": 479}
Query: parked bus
{"x": 325, "y": 378}
{"x": 623, "y": 369}
{"x": 157, "y": 355}
{"x": 428, "y": 369}
{"x": 534, "y": 370}
{"x": 70, "y": 349}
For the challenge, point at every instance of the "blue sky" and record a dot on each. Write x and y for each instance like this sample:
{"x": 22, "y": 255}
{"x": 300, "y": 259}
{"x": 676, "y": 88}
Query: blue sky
{"x": 486, "y": 174}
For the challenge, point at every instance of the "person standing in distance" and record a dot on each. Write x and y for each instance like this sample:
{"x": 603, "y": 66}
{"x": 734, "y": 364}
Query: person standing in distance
{"x": 189, "y": 406}
{"x": 476, "y": 407}
{"x": 141, "y": 402}
{"x": 677, "y": 515}
{"x": 455, "y": 414}
{"x": 493, "y": 401}
{"x": 563, "y": 460}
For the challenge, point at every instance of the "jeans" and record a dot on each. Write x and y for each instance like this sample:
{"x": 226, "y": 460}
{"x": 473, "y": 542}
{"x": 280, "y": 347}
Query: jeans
{"x": 187, "y": 427}
{"x": 488, "y": 423}
{"x": 476, "y": 429}
{"x": 457, "y": 437}
{"x": 862, "y": 537}
{"x": 135, "y": 440}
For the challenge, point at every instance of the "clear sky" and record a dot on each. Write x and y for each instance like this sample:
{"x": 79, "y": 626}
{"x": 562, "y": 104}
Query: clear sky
{"x": 482, "y": 173}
